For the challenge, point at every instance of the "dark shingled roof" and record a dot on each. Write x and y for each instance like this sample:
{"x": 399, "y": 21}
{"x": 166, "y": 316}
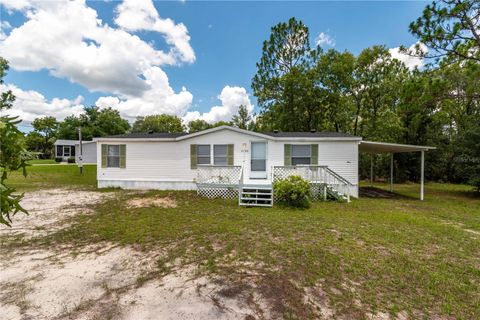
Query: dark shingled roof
{"x": 309, "y": 134}
{"x": 167, "y": 135}
{"x": 143, "y": 135}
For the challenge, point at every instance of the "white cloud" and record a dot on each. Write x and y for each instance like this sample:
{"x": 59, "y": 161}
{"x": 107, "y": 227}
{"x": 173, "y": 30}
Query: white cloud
{"x": 160, "y": 98}
{"x": 135, "y": 15}
{"x": 324, "y": 39}
{"x": 30, "y": 104}
{"x": 68, "y": 39}
{"x": 15, "y": 5}
{"x": 409, "y": 61}
{"x": 231, "y": 98}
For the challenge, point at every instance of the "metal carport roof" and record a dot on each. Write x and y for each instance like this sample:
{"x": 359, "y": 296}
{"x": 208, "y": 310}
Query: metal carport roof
{"x": 384, "y": 147}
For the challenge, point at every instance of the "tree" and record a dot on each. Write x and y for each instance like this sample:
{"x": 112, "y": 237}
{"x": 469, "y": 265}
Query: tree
{"x": 106, "y": 121}
{"x": 450, "y": 28}
{"x": 242, "y": 119}
{"x": 34, "y": 141}
{"x": 158, "y": 123}
{"x": 198, "y": 125}
{"x": 284, "y": 83}
{"x": 13, "y": 155}
{"x": 221, "y": 123}
{"x": 68, "y": 128}
{"x": 95, "y": 122}
{"x": 47, "y": 127}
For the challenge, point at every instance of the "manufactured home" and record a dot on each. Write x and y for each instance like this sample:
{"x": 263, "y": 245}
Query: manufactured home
{"x": 232, "y": 162}
{"x": 66, "y": 149}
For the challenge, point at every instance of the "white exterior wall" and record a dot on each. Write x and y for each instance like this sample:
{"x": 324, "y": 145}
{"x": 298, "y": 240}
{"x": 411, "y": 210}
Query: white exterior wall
{"x": 166, "y": 164}
{"x": 340, "y": 156}
{"x": 89, "y": 152}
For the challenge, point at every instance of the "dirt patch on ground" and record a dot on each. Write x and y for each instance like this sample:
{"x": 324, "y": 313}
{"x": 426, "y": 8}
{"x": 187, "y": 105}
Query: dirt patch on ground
{"x": 100, "y": 281}
{"x": 163, "y": 202}
{"x": 49, "y": 210}
{"x": 103, "y": 281}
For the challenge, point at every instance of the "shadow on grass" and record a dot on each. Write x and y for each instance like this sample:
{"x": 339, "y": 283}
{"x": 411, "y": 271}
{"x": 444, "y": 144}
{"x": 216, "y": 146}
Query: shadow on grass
{"x": 378, "y": 193}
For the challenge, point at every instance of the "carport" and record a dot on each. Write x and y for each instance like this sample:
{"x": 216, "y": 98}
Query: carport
{"x": 392, "y": 148}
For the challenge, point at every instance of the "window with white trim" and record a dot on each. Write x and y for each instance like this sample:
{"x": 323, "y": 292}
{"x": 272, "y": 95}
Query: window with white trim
{"x": 113, "y": 156}
{"x": 220, "y": 154}
{"x": 66, "y": 151}
{"x": 203, "y": 154}
{"x": 301, "y": 154}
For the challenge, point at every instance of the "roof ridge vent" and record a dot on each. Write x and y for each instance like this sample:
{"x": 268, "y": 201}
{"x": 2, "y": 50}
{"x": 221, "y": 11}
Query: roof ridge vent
{"x": 313, "y": 130}
{"x": 275, "y": 131}
{"x": 150, "y": 132}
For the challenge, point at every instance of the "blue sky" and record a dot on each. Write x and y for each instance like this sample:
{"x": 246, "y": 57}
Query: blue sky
{"x": 226, "y": 39}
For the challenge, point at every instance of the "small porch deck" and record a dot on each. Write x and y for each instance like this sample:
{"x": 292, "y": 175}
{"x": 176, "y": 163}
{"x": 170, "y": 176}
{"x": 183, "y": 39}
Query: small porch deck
{"x": 229, "y": 182}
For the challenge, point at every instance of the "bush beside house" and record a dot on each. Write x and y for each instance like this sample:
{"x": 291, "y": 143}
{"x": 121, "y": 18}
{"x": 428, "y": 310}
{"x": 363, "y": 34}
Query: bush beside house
{"x": 293, "y": 191}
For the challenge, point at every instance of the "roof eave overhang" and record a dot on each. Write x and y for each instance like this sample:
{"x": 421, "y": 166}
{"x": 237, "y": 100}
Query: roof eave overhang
{"x": 135, "y": 139}
{"x": 385, "y": 147}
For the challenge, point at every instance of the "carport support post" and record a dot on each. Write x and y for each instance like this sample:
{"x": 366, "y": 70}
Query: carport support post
{"x": 371, "y": 169}
{"x": 422, "y": 173}
{"x": 391, "y": 172}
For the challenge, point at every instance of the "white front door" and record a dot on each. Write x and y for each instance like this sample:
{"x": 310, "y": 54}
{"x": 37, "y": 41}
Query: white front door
{"x": 258, "y": 160}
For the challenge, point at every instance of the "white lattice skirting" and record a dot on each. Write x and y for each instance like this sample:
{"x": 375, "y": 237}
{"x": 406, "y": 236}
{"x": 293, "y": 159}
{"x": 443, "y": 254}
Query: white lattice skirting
{"x": 218, "y": 192}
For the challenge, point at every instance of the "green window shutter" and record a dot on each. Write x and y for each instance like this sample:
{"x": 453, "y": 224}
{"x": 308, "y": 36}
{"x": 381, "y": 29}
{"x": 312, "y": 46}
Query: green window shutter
{"x": 123, "y": 155}
{"x": 314, "y": 154}
{"x": 104, "y": 155}
{"x": 193, "y": 156}
{"x": 230, "y": 155}
{"x": 287, "y": 155}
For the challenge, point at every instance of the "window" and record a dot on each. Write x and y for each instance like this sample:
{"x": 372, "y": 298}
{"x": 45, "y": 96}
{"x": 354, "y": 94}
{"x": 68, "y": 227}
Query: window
{"x": 259, "y": 156}
{"x": 66, "y": 151}
{"x": 203, "y": 154}
{"x": 220, "y": 154}
{"x": 59, "y": 151}
{"x": 301, "y": 154}
{"x": 113, "y": 156}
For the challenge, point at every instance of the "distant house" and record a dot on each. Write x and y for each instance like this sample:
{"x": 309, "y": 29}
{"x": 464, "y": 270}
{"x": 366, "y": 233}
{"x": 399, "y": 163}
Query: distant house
{"x": 71, "y": 148}
{"x": 232, "y": 162}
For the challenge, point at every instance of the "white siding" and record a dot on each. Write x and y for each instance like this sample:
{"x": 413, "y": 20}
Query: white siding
{"x": 166, "y": 162}
{"x": 340, "y": 156}
{"x": 89, "y": 152}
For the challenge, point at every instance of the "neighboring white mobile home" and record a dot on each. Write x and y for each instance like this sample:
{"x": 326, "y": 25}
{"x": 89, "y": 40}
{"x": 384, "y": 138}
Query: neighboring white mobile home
{"x": 223, "y": 160}
{"x": 66, "y": 149}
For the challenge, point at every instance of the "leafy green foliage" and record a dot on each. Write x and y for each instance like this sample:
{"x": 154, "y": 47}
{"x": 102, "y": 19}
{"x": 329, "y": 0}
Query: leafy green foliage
{"x": 13, "y": 155}
{"x": 293, "y": 191}
{"x": 158, "y": 123}
{"x": 198, "y": 125}
{"x": 242, "y": 119}
{"x": 449, "y": 28}
{"x": 34, "y": 141}
{"x": 94, "y": 123}
{"x": 45, "y": 127}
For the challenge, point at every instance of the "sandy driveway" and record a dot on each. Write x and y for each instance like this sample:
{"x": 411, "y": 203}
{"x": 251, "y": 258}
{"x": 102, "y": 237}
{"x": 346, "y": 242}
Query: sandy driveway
{"x": 101, "y": 281}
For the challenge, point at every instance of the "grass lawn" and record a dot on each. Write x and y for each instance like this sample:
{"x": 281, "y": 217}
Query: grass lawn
{"x": 396, "y": 256}
{"x": 54, "y": 176}
{"x": 42, "y": 161}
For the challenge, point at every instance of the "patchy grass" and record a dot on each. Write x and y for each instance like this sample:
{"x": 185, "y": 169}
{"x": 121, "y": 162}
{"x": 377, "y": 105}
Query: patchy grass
{"x": 368, "y": 257}
{"x": 54, "y": 176}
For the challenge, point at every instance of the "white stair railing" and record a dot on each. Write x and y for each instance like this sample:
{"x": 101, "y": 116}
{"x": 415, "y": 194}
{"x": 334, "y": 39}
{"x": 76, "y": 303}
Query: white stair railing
{"x": 316, "y": 175}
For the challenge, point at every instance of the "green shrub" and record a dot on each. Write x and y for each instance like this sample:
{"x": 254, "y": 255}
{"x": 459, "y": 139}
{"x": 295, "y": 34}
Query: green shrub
{"x": 71, "y": 160}
{"x": 58, "y": 159}
{"x": 293, "y": 191}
